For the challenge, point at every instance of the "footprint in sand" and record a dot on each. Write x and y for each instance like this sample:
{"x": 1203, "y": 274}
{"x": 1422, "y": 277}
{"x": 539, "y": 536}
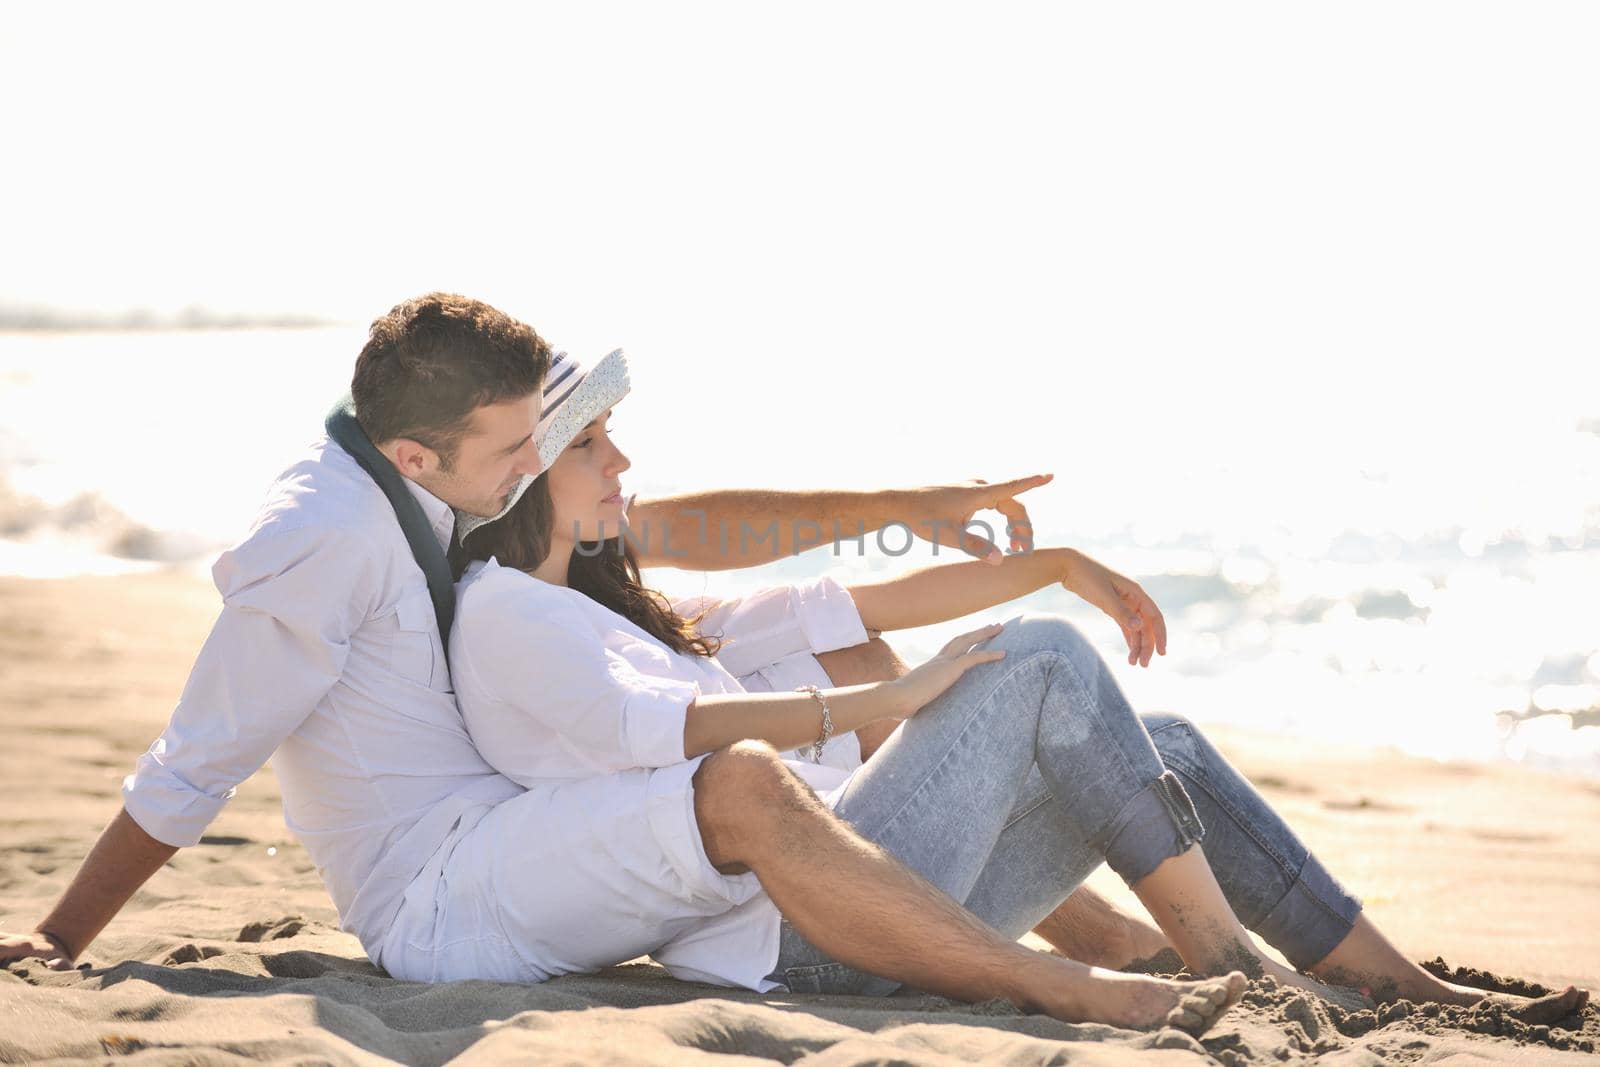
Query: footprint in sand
{"x": 190, "y": 953}
{"x": 272, "y": 929}
{"x": 1364, "y": 804}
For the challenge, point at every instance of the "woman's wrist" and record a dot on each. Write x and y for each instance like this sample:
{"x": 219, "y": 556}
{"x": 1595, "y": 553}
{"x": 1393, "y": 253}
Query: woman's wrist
{"x": 856, "y": 705}
{"x": 891, "y": 701}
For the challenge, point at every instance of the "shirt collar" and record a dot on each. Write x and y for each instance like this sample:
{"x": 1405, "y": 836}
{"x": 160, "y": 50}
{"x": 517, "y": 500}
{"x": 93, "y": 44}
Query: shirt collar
{"x": 440, "y": 516}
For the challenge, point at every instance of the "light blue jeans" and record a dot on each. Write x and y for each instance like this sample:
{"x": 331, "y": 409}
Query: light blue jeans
{"x": 1009, "y": 789}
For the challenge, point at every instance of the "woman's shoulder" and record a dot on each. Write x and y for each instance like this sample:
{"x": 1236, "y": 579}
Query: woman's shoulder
{"x": 488, "y": 588}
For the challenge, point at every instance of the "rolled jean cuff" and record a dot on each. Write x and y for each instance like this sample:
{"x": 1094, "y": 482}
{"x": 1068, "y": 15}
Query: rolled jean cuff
{"x": 1157, "y": 824}
{"x": 1312, "y": 918}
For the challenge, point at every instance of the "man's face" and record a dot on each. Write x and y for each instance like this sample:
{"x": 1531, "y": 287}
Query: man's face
{"x": 491, "y": 458}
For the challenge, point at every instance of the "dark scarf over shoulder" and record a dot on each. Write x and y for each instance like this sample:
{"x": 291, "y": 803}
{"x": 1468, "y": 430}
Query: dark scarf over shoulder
{"x": 343, "y": 428}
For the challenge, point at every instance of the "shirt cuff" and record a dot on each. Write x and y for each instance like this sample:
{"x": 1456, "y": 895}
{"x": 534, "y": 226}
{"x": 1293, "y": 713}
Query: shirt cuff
{"x": 653, "y": 721}
{"x": 828, "y": 615}
{"x": 165, "y": 806}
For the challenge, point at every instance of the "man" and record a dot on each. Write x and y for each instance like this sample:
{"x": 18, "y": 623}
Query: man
{"x": 327, "y": 656}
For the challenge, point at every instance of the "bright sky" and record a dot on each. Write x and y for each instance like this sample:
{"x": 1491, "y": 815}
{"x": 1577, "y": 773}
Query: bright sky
{"x": 1265, "y": 271}
{"x": 1355, "y": 230}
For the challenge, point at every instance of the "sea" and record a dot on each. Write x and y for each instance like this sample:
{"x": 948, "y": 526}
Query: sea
{"x": 1404, "y": 557}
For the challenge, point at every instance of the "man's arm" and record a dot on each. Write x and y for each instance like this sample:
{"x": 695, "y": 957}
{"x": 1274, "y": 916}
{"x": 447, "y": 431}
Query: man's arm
{"x": 122, "y": 860}
{"x": 730, "y": 528}
{"x": 290, "y": 602}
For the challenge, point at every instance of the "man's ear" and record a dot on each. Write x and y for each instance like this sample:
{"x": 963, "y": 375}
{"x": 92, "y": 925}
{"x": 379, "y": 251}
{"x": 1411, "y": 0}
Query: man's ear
{"x": 409, "y": 457}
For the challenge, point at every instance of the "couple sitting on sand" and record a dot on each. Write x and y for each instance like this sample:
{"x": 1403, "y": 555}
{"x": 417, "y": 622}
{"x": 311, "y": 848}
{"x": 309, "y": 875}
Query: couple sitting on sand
{"x": 556, "y": 769}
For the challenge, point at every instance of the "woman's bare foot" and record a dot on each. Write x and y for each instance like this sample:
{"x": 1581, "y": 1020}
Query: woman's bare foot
{"x": 1538, "y": 1011}
{"x": 1142, "y": 1002}
{"x": 1368, "y": 961}
{"x": 1532, "y": 1010}
{"x": 1422, "y": 987}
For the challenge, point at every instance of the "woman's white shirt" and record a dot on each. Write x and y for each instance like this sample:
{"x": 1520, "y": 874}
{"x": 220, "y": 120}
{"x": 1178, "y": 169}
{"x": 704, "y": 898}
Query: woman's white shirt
{"x": 554, "y": 687}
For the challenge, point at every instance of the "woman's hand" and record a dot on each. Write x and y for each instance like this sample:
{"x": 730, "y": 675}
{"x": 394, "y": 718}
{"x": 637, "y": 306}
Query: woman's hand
{"x": 917, "y": 688}
{"x": 35, "y": 945}
{"x": 1120, "y": 597}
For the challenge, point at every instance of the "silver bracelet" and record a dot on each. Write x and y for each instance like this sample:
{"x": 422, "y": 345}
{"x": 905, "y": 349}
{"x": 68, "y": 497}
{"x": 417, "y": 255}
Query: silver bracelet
{"x": 827, "y": 721}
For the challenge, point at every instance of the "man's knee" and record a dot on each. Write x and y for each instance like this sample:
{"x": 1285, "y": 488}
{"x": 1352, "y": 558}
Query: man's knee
{"x": 735, "y": 789}
{"x": 871, "y": 661}
{"x": 731, "y": 777}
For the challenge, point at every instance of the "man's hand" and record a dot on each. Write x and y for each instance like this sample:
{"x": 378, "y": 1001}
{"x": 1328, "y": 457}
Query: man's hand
{"x": 1120, "y": 597}
{"x": 940, "y": 513}
{"x": 37, "y": 945}
{"x": 121, "y": 861}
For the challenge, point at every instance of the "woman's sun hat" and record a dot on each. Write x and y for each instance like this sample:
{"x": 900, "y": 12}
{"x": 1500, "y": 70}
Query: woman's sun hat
{"x": 572, "y": 398}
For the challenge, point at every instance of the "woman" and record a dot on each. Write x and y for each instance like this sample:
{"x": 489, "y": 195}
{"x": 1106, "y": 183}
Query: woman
{"x": 595, "y": 694}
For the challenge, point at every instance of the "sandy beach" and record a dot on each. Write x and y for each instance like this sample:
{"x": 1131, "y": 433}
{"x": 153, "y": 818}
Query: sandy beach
{"x": 233, "y": 952}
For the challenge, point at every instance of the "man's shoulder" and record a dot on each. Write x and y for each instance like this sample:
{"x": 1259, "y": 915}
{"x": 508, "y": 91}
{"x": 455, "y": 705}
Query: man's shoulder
{"x": 324, "y": 501}
{"x": 324, "y": 489}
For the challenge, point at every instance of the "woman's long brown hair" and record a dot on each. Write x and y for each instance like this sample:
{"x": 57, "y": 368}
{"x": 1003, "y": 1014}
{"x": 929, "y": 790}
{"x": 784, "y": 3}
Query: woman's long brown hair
{"x": 605, "y": 571}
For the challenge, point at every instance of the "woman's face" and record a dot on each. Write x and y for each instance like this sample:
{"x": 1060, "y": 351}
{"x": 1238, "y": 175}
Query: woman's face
{"x": 585, "y": 485}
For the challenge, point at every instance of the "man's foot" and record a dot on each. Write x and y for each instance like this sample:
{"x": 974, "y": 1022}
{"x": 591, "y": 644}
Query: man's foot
{"x": 1140, "y": 1002}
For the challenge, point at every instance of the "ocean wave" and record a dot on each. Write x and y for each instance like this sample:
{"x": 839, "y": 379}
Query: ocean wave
{"x": 43, "y": 318}
{"x": 87, "y": 523}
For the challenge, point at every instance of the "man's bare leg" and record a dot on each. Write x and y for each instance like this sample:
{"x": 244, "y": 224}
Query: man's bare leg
{"x": 861, "y": 906}
{"x": 1086, "y": 927}
{"x": 1089, "y": 928}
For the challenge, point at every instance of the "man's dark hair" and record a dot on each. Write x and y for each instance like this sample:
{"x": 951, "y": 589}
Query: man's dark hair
{"x": 430, "y": 361}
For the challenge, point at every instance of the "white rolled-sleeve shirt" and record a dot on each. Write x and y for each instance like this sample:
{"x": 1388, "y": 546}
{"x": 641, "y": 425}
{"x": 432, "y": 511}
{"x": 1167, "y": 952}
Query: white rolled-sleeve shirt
{"x": 327, "y": 659}
{"x": 556, "y": 688}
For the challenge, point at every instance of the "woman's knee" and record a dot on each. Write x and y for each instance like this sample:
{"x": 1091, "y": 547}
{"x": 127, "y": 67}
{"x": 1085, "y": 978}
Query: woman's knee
{"x": 1043, "y": 631}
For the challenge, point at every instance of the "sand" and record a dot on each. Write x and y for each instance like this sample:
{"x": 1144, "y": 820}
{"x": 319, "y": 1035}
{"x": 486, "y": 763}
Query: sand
{"x": 233, "y": 951}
